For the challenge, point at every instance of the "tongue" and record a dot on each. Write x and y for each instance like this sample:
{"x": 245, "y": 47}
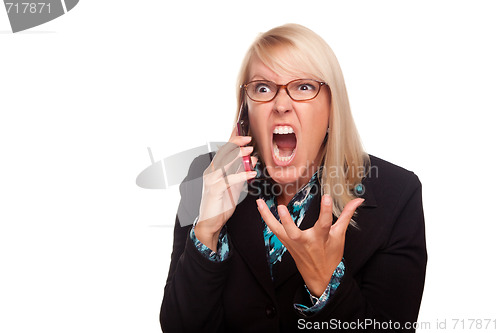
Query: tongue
{"x": 285, "y": 141}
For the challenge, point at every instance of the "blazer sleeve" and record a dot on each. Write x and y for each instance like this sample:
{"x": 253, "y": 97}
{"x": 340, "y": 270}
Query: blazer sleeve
{"x": 192, "y": 300}
{"x": 392, "y": 282}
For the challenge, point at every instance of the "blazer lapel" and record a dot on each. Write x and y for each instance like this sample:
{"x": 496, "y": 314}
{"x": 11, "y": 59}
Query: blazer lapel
{"x": 246, "y": 233}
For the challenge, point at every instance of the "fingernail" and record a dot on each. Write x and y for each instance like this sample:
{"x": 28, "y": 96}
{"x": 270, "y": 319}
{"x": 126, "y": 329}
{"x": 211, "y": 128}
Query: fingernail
{"x": 247, "y": 149}
{"x": 259, "y": 204}
{"x": 327, "y": 200}
{"x": 282, "y": 210}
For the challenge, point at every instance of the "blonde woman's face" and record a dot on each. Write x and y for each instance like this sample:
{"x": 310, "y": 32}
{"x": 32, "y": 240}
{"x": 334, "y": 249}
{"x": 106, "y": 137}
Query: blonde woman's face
{"x": 291, "y": 158}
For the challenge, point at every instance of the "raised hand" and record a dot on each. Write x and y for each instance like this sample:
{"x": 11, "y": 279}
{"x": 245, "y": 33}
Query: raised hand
{"x": 316, "y": 251}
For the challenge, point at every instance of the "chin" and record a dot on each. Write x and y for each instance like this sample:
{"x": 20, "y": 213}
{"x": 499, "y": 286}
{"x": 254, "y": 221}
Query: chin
{"x": 291, "y": 174}
{"x": 283, "y": 177}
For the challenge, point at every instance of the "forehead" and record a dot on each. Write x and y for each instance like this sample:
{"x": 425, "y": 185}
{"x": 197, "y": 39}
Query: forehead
{"x": 280, "y": 66}
{"x": 260, "y": 71}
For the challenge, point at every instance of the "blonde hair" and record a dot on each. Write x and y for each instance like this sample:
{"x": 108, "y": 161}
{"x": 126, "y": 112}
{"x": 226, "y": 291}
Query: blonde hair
{"x": 344, "y": 161}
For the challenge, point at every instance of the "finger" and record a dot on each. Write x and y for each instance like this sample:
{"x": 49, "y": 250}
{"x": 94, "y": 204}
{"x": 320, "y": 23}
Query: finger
{"x": 225, "y": 154}
{"x": 325, "y": 214}
{"x": 290, "y": 227}
{"x": 245, "y": 151}
{"x": 240, "y": 140}
{"x": 254, "y": 160}
{"x": 230, "y": 187}
{"x": 229, "y": 156}
{"x": 240, "y": 177}
{"x": 346, "y": 215}
{"x": 239, "y": 163}
{"x": 271, "y": 221}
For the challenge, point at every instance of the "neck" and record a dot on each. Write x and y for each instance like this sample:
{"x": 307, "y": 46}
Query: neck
{"x": 289, "y": 190}
{"x": 284, "y": 199}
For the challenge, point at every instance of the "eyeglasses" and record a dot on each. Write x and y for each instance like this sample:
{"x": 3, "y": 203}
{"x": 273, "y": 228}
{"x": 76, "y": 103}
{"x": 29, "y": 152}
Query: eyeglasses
{"x": 298, "y": 90}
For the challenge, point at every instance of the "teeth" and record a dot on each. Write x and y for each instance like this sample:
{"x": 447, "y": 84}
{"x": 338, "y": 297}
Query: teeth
{"x": 283, "y": 130}
{"x": 282, "y": 158}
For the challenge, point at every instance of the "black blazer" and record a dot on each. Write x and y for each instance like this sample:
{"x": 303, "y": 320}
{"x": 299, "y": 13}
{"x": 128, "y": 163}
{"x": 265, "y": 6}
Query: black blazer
{"x": 385, "y": 260}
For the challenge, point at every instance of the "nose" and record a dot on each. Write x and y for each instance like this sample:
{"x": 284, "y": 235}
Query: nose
{"x": 282, "y": 102}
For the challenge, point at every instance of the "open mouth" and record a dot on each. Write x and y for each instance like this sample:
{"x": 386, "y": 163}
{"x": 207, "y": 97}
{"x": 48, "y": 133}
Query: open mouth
{"x": 284, "y": 144}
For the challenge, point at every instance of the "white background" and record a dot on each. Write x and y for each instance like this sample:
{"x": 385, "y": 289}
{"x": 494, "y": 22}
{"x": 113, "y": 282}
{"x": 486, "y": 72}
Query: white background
{"x": 83, "y": 249}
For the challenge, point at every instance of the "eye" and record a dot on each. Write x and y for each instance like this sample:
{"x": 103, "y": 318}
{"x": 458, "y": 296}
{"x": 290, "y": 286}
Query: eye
{"x": 262, "y": 88}
{"x": 306, "y": 87}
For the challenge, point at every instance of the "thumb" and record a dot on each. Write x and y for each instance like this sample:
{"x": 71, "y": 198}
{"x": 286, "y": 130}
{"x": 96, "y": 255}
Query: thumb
{"x": 345, "y": 217}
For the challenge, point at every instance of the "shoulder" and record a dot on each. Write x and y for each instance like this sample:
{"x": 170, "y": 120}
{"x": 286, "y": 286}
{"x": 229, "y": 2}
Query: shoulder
{"x": 390, "y": 175}
{"x": 389, "y": 171}
{"x": 387, "y": 184}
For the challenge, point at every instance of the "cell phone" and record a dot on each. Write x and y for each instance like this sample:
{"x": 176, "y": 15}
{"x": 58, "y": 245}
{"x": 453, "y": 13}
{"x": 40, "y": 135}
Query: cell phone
{"x": 242, "y": 128}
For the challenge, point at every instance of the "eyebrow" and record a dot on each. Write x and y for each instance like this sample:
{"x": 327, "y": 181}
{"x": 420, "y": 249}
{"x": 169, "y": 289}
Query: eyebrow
{"x": 263, "y": 78}
{"x": 259, "y": 77}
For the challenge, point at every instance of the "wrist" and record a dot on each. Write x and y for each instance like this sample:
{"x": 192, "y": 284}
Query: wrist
{"x": 318, "y": 283}
{"x": 207, "y": 237}
{"x": 317, "y": 288}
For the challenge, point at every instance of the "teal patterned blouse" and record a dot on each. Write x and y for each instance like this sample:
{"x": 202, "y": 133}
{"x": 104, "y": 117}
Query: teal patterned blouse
{"x": 297, "y": 207}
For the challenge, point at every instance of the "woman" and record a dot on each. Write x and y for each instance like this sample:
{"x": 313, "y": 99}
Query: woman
{"x": 349, "y": 252}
